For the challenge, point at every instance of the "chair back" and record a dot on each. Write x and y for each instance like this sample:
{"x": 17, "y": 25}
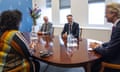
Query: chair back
{"x": 80, "y": 34}
{"x": 17, "y": 69}
{"x": 52, "y": 32}
{"x": 21, "y": 68}
{"x": 109, "y": 65}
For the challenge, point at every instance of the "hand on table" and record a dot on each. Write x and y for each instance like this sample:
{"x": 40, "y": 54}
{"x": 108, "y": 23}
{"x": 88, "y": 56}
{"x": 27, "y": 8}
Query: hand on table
{"x": 94, "y": 44}
{"x": 40, "y": 33}
{"x": 65, "y": 35}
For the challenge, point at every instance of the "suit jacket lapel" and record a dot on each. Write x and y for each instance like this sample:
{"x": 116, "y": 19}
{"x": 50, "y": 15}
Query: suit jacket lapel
{"x": 73, "y": 26}
{"x": 113, "y": 34}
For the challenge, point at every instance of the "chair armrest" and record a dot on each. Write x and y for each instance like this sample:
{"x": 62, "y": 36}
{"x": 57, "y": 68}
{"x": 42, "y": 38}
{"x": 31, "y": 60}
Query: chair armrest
{"x": 19, "y": 68}
{"x": 110, "y": 65}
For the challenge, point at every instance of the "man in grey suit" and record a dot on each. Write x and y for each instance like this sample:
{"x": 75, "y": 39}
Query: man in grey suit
{"x": 46, "y": 27}
{"x": 110, "y": 51}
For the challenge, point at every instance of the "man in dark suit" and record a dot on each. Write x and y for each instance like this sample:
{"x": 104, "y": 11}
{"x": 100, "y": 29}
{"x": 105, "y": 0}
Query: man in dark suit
{"x": 70, "y": 28}
{"x": 110, "y": 51}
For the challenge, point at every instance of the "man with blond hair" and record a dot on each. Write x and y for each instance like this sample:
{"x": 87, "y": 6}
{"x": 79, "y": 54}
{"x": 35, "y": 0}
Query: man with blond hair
{"x": 110, "y": 51}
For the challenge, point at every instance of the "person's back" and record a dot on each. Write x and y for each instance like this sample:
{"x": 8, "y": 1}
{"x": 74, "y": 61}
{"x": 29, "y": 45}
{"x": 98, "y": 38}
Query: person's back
{"x": 11, "y": 53}
{"x": 13, "y": 48}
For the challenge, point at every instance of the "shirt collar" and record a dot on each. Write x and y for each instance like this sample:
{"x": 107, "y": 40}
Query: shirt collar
{"x": 71, "y": 23}
{"x": 116, "y": 22}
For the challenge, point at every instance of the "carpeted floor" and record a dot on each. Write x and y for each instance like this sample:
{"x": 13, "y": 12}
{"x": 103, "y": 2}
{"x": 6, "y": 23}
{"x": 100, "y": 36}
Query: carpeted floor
{"x": 59, "y": 69}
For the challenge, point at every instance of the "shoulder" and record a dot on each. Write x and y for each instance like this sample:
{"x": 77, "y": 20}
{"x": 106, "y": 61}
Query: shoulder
{"x": 75, "y": 23}
{"x": 50, "y": 23}
{"x": 43, "y": 24}
{"x": 118, "y": 24}
{"x": 18, "y": 34}
{"x": 22, "y": 36}
{"x": 65, "y": 24}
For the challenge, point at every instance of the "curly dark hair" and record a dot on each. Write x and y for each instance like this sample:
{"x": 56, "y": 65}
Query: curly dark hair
{"x": 10, "y": 20}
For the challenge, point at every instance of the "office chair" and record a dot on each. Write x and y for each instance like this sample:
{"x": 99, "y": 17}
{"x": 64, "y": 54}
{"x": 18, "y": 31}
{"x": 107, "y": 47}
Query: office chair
{"x": 80, "y": 34}
{"x": 18, "y": 68}
{"x": 109, "y": 65}
{"x": 52, "y": 31}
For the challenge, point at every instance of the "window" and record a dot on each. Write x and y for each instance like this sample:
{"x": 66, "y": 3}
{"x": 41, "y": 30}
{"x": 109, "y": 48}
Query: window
{"x": 63, "y": 14}
{"x": 48, "y": 3}
{"x": 96, "y": 13}
{"x": 93, "y": 1}
{"x": 64, "y": 4}
{"x": 64, "y": 10}
{"x": 47, "y": 11}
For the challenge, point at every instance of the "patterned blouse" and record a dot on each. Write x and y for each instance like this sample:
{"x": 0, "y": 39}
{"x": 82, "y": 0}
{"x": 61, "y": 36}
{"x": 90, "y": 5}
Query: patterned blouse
{"x": 14, "y": 52}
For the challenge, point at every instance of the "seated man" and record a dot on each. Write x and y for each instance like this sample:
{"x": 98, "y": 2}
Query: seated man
{"x": 70, "y": 28}
{"x": 110, "y": 51}
{"x": 46, "y": 27}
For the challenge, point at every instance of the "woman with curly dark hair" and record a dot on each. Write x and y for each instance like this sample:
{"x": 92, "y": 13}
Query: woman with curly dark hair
{"x": 13, "y": 48}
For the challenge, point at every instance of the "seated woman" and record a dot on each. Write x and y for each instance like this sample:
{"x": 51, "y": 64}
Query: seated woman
{"x": 13, "y": 48}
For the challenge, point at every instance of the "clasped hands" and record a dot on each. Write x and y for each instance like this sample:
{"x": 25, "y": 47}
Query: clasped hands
{"x": 64, "y": 35}
{"x": 94, "y": 45}
{"x": 42, "y": 33}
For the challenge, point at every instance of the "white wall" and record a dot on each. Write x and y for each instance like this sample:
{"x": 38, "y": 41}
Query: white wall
{"x": 79, "y": 9}
{"x": 97, "y": 34}
{"x": 102, "y": 35}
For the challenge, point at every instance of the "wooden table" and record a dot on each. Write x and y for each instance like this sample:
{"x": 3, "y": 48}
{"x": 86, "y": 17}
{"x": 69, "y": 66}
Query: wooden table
{"x": 80, "y": 57}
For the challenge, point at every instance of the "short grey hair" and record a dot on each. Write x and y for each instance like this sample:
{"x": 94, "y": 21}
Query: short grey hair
{"x": 114, "y": 7}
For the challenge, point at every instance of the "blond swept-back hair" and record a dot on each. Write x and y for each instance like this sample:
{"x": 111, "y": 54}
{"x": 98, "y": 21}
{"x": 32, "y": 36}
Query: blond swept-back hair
{"x": 114, "y": 7}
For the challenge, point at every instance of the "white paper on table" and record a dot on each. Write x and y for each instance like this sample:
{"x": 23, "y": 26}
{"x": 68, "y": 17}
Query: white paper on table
{"x": 91, "y": 40}
{"x": 61, "y": 41}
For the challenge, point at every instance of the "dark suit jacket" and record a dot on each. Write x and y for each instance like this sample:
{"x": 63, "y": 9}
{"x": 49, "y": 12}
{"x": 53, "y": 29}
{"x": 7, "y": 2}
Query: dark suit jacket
{"x": 110, "y": 51}
{"x": 74, "y": 31}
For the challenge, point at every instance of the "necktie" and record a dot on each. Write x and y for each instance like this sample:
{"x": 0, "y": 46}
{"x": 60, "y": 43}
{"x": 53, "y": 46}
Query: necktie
{"x": 113, "y": 28}
{"x": 70, "y": 28}
{"x": 45, "y": 28}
